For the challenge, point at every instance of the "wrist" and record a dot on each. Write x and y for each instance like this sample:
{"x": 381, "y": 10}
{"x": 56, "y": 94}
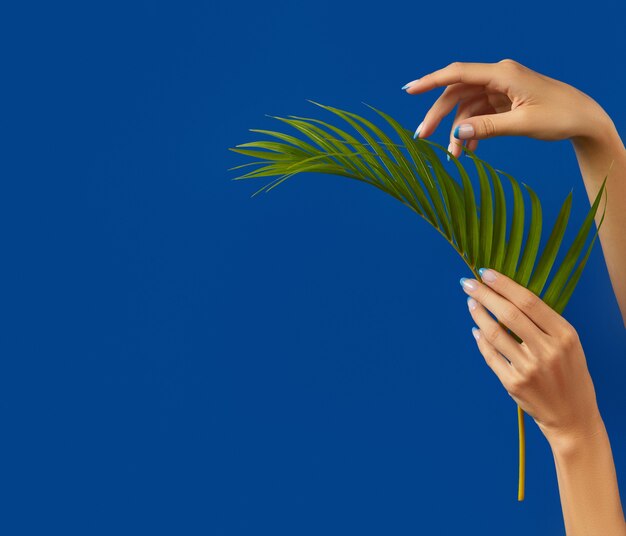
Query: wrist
{"x": 575, "y": 438}
{"x": 599, "y": 138}
{"x": 598, "y": 151}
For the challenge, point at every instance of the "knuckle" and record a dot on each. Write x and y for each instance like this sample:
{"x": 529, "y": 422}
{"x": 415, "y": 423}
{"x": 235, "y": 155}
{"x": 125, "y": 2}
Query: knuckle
{"x": 481, "y": 294}
{"x": 487, "y": 127}
{"x": 489, "y": 356}
{"x": 568, "y": 336}
{"x": 510, "y": 66}
{"x": 493, "y": 334}
{"x": 528, "y": 301}
{"x": 510, "y": 315}
{"x": 457, "y": 68}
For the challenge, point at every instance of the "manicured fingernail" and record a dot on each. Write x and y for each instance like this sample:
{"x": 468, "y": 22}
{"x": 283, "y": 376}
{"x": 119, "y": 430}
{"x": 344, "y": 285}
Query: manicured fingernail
{"x": 462, "y": 132}
{"x": 468, "y": 284}
{"x": 406, "y": 86}
{"x": 476, "y": 333}
{"x": 471, "y": 303}
{"x": 449, "y": 150}
{"x": 417, "y": 130}
{"x": 488, "y": 276}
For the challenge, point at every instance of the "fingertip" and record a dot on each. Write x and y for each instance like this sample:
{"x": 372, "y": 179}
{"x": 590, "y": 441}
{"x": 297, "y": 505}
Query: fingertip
{"x": 464, "y": 131}
{"x": 456, "y": 148}
{"x": 488, "y": 275}
{"x": 476, "y": 333}
{"x": 409, "y": 86}
{"x": 418, "y": 130}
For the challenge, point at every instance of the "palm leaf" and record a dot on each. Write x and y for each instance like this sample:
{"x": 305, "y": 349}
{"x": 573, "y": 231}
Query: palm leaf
{"x": 412, "y": 171}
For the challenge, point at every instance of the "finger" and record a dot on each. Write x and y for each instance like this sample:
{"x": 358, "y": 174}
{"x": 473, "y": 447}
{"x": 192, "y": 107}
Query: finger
{"x": 496, "y": 362}
{"x": 472, "y": 145}
{"x": 533, "y": 307}
{"x": 491, "y": 75}
{"x": 446, "y": 102}
{"x": 480, "y": 127}
{"x": 505, "y": 311}
{"x": 496, "y": 335}
{"x": 467, "y": 108}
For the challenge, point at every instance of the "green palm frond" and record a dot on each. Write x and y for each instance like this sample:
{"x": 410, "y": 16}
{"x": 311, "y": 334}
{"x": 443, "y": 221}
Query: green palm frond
{"x": 483, "y": 233}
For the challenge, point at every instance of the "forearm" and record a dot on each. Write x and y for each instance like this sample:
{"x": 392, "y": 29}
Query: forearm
{"x": 588, "y": 484}
{"x": 595, "y": 155}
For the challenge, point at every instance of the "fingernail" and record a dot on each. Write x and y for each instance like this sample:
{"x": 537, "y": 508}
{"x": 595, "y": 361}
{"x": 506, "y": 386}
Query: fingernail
{"x": 476, "y": 333}
{"x": 417, "y": 130}
{"x": 468, "y": 284}
{"x": 406, "y": 86}
{"x": 488, "y": 276}
{"x": 471, "y": 303}
{"x": 462, "y": 132}
{"x": 449, "y": 150}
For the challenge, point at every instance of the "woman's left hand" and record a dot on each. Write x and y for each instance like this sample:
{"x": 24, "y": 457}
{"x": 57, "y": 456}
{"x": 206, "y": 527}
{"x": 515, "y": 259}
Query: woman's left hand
{"x": 547, "y": 373}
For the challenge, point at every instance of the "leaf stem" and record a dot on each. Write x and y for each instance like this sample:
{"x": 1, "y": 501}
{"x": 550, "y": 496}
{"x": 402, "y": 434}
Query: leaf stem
{"x": 522, "y": 454}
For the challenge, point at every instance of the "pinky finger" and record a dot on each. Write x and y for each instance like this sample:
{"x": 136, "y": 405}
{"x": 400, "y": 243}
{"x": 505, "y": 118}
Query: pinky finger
{"x": 496, "y": 361}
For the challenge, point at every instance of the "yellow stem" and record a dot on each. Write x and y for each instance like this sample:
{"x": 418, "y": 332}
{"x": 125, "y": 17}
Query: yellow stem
{"x": 522, "y": 453}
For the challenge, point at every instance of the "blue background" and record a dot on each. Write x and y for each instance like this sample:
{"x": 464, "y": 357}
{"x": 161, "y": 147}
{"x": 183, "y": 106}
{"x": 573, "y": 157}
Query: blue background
{"x": 178, "y": 358}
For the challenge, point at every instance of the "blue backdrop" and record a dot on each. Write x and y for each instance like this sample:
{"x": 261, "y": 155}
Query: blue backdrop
{"x": 179, "y": 358}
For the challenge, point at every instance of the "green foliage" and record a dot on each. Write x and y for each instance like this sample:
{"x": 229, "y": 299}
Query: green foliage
{"x": 412, "y": 172}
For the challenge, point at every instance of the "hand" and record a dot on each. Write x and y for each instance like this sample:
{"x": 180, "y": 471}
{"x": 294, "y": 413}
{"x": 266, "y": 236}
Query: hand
{"x": 547, "y": 373}
{"x": 507, "y": 99}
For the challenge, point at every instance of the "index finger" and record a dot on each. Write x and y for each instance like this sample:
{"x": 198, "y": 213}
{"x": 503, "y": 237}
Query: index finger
{"x": 542, "y": 315}
{"x": 482, "y": 74}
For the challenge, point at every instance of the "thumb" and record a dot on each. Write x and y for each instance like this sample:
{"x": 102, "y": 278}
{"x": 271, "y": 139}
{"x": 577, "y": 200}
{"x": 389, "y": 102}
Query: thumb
{"x": 481, "y": 127}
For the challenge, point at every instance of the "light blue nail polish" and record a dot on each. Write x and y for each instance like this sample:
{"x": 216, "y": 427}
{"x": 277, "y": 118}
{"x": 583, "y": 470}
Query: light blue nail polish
{"x": 488, "y": 276}
{"x": 448, "y": 157}
{"x": 476, "y": 333}
{"x": 417, "y": 130}
{"x": 464, "y": 132}
{"x": 468, "y": 284}
{"x": 405, "y": 86}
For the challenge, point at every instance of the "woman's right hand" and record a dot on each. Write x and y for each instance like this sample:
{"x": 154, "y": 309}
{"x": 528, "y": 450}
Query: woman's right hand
{"x": 507, "y": 99}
